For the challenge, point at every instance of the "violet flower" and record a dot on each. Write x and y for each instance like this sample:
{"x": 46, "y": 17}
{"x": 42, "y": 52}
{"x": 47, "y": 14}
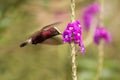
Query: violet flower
{"x": 101, "y": 33}
{"x": 88, "y": 15}
{"x": 73, "y": 33}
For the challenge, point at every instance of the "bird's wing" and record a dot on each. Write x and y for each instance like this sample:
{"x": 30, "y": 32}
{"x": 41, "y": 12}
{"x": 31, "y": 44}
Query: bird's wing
{"x": 50, "y": 25}
{"x": 53, "y": 41}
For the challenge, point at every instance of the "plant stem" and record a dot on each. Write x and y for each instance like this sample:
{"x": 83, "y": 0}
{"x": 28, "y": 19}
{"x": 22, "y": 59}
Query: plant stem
{"x": 101, "y": 17}
{"x": 73, "y": 52}
{"x": 100, "y": 60}
{"x": 74, "y": 67}
{"x": 72, "y": 10}
{"x": 101, "y": 45}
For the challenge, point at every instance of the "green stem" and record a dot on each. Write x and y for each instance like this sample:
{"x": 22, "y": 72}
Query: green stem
{"x": 73, "y": 52}
{"x": 100, "y": 60}
{"x": 72, "y": 10}
{"x": 74, "y": 66}
{"x": 101, "y": 45}
{"x": 101, "y": 17}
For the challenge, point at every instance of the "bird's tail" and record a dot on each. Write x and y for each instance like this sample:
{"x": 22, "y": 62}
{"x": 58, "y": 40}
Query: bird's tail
{"x": 25, "y": 43}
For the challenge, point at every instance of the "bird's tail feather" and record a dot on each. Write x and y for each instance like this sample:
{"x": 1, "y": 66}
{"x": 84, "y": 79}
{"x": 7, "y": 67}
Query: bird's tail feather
{"x": 25, "y": 43}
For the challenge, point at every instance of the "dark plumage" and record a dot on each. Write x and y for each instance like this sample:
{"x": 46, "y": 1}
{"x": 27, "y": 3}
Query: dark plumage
{"x": 45, "y": 33}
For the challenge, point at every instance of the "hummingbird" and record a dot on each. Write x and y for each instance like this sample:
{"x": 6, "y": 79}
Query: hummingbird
{"x": 45, "y": 35}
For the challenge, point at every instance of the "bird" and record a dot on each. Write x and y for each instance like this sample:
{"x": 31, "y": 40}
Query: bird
{"x": 45, "y": 35}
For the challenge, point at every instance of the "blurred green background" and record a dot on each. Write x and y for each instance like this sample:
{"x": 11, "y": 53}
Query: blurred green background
{"x": 20, "y": 18}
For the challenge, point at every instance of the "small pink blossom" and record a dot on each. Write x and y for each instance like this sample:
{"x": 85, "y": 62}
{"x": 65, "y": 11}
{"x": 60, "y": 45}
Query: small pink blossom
{"x": 73, "y": 33}
{"x": 88, "y": 14}
{"x": 101, "y": 33}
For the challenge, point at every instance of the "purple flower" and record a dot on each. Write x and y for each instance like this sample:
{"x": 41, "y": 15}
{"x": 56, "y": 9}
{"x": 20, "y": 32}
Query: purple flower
{"x": 73, "y": 33}
{"x": 101, "y": 33}
{"x": 89, "y": 13}
{"x": 93, "y": 8}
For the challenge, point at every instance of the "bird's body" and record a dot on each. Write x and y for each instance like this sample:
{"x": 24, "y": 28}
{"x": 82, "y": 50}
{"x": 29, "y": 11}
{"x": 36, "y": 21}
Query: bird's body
{"x": 40, "y": 36}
